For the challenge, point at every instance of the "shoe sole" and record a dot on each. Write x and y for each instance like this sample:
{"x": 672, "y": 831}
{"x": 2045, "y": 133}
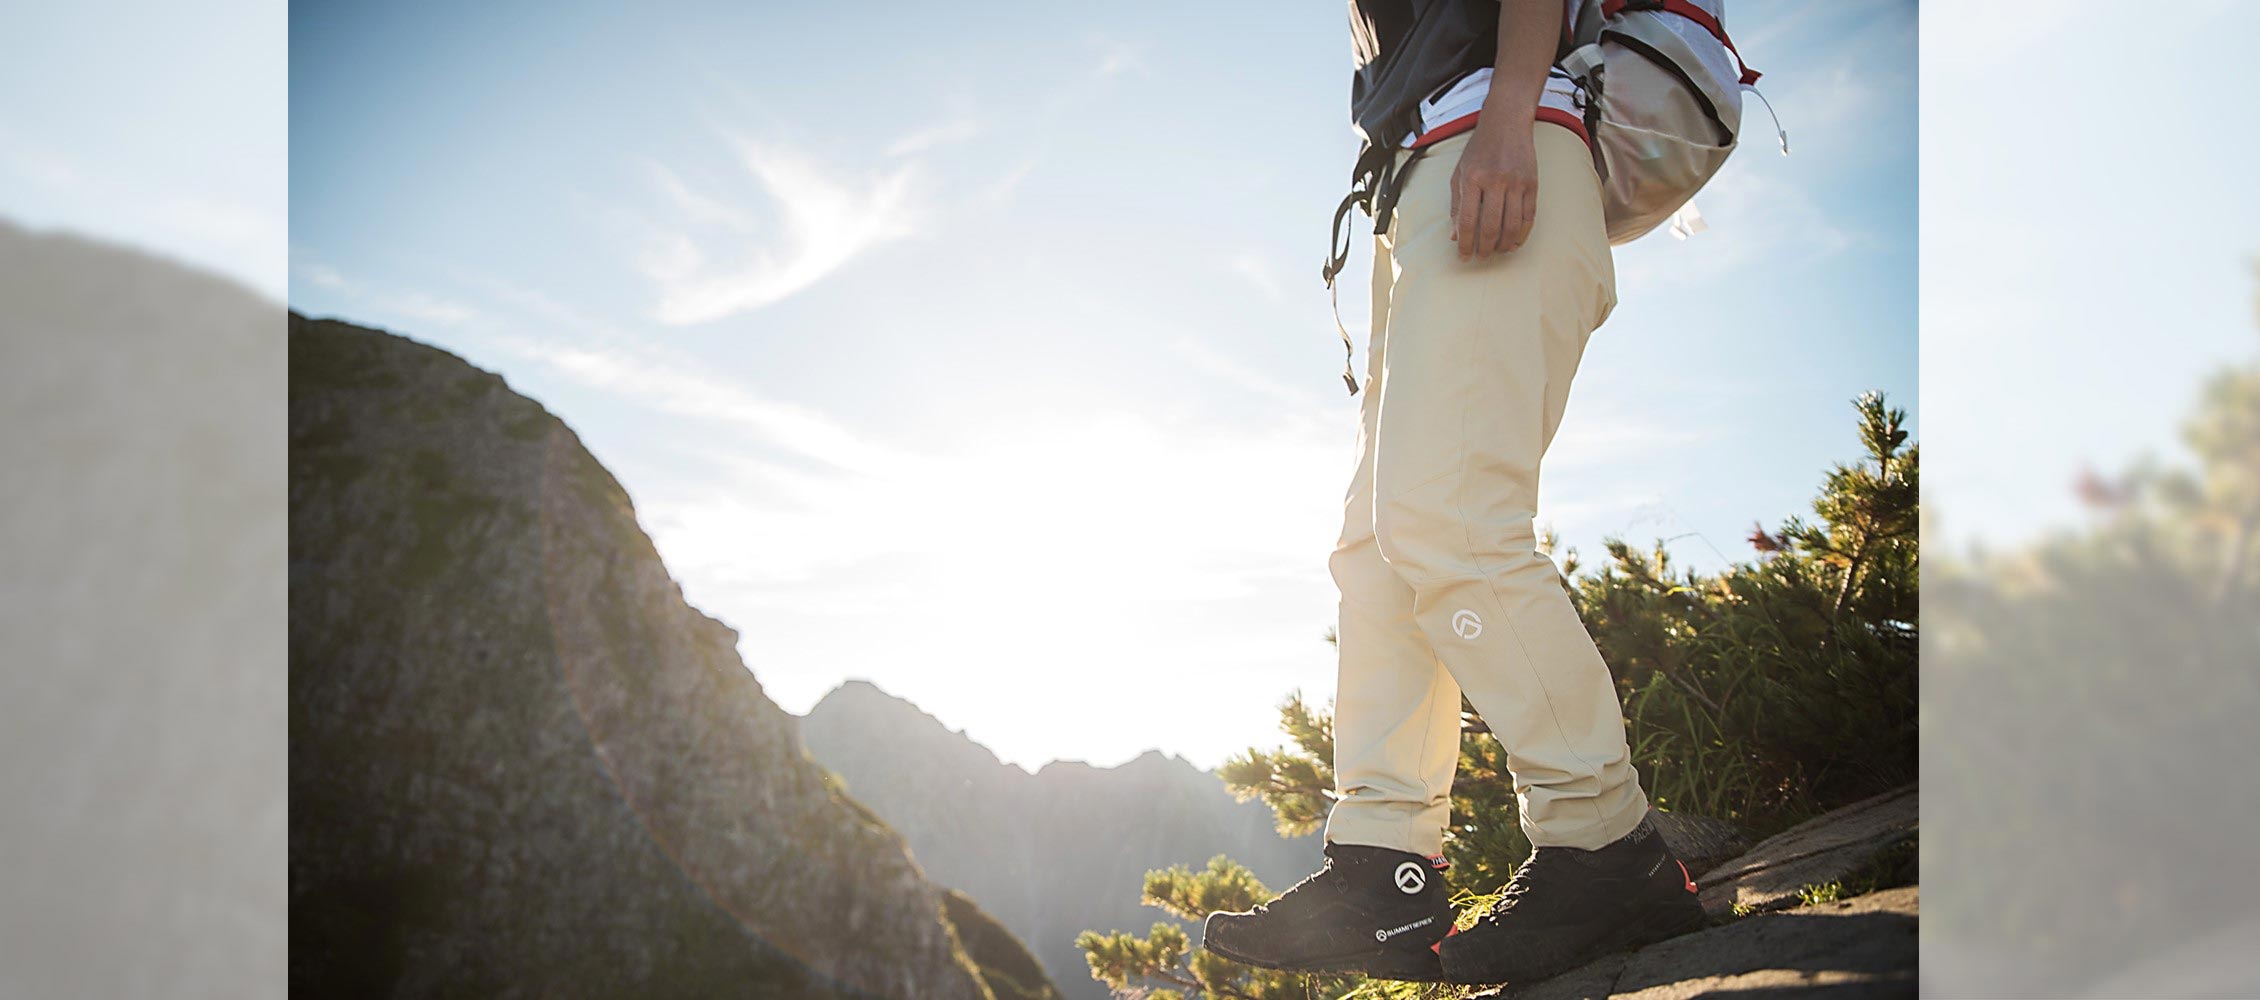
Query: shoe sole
{"x": 1380, "y": 963}
{"x": 1661, "y": 924}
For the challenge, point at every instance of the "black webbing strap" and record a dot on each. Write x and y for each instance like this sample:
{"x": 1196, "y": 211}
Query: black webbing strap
{"x": 1583, "y": 29}
{"x": 1375, "y": 182}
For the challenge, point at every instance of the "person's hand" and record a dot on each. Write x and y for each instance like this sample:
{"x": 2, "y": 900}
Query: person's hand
{"x": 1495, "y": 188}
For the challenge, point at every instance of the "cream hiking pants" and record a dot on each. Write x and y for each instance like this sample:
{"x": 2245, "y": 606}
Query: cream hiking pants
{"x": 1443, "y": 589}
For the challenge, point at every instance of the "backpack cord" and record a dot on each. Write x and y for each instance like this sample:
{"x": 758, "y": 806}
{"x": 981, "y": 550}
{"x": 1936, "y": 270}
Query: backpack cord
{"x": 1778, "y": 131}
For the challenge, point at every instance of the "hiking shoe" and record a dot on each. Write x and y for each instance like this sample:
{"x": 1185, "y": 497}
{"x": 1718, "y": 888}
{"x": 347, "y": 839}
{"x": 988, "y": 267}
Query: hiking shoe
{"x": 1369, "y": 910}
{"x": 1565, "y": 907}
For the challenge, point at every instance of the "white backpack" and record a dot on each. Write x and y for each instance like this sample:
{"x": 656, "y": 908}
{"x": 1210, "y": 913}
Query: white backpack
{"x": 1663, "y": 88}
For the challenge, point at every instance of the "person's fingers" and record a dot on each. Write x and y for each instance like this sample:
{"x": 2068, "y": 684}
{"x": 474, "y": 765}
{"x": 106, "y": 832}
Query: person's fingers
{"x": 1525, "y": 211}
{"x": 1529, "y": 219}
{"x": 1492, "y": 219}
{"x": 1455, "y": 186}
{"x": 1464, "y": 220}
{"x": 1510, "y": 212}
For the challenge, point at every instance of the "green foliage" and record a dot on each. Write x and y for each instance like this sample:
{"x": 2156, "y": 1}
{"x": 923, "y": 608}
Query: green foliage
{"x": 1484, "y": 842}
{"x": 1890, "y": 868}
{"x": 1785, "y": 686}
{"x": 1764, "y": 694}
{"x": 1298, "y": 782}
{"x": 1164, "y": 963}
{"x": 1190, "y": 895}
{"x": 1121, "y": 959}
{"x": 1815, "y": 895}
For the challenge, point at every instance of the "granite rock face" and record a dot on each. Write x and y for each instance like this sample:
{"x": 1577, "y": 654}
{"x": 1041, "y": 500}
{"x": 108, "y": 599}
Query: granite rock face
{"x": 1700, "y": 842}
{"x": 1818, "y": 851}
{"x": 1862, "y": 948}
{"x": 520, "y": 764}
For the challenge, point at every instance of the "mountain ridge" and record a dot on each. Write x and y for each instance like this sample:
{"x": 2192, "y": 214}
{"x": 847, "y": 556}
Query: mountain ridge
{"x": 1049, "y": 853}
{"x": 855, "y": 687}
{"x": 520, "y": 761}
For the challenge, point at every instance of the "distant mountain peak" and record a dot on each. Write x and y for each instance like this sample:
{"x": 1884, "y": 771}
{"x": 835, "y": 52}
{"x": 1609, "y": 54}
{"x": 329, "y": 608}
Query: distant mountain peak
{"x": 858, "y": 691}
{"x": 1052, "y": 853}
{"x": 859, "y": 701}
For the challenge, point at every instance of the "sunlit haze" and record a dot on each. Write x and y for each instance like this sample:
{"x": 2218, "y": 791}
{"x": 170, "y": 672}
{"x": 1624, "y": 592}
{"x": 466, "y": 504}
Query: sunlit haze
{"x": 983, "y": 354}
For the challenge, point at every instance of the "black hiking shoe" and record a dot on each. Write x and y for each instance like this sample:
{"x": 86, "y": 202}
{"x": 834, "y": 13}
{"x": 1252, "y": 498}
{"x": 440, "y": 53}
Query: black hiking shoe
{"x": 1370, "y": 910}
{"x": 1565, "y": 907}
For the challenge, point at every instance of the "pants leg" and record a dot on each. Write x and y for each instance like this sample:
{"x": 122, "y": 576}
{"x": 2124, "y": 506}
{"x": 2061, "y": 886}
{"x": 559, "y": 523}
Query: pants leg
{"x": 1396, "y": 709}
{"x": 1474, "y": 373}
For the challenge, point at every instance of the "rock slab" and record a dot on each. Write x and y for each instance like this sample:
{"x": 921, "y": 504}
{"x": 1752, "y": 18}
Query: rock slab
{"x": 1822, "y": 850}
{"x": 1845, "y": 950}
{"x": 1856, "y": 949}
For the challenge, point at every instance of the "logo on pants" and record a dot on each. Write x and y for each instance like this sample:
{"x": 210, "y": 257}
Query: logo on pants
{"x": 1466, "y": 624}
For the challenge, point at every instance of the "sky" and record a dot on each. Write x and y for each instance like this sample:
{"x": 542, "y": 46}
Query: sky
{"x": 875, "y": 340}
{"x": 983, "y": 356}
{"x": 2076, "y": 292}
{"x": 159, "y": 125}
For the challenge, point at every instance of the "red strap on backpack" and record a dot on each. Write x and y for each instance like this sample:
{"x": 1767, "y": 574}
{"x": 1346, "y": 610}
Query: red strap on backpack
{"x": 1701, "y": 17}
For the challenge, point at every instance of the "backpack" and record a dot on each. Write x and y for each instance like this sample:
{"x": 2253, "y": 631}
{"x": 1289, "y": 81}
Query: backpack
{"x": 1660, "y": 89}
{"x": 1663, "y": 104}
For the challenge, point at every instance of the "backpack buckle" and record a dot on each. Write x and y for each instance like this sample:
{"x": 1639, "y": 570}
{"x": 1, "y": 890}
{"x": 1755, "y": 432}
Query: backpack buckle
{"x": 1583, "y": 62}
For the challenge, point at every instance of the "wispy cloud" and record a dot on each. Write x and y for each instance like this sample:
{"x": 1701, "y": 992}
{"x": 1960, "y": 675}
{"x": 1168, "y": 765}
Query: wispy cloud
{"x": 1754, "y": 214}
{"x": 389, "y": 305}
{"x": 30, "y": 162}
{"x": 555, "y": 314}
{"x": 1117, "y": 57}
{"x": 432, "y": 309}
{"x": 1259, "y": 273}
{"x": 824, "y": 217}
{"x": 1006, "y": 184}
{"x": 1603, "y": 438}
{"x": 647, "y": 379}
{"x": 948, "y": 132}
{"x": 694, "y": 207}
{"x": 1207, "y": 360}
{"x": 1838, "y": 97}
{"x": 321, "y": 275}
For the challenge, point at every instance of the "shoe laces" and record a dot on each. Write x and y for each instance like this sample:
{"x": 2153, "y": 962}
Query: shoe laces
{"x": 1532, "y": 870}
{"x": 1306, "y": 888}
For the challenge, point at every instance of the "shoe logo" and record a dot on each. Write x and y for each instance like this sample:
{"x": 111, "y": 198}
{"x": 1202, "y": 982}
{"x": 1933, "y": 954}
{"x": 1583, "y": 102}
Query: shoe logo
{"x": 1394, "y": 931}
{"x": 1410, "y": 878}
{"x": 1466, "y": 624}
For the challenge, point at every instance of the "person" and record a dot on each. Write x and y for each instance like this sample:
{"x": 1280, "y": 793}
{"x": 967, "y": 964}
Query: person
{"x": 1491, "y": 269}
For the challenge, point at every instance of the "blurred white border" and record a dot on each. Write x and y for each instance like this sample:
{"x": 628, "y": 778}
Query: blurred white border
{"x": 2091, "y": 669}
{"x": 143, "y": 546}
